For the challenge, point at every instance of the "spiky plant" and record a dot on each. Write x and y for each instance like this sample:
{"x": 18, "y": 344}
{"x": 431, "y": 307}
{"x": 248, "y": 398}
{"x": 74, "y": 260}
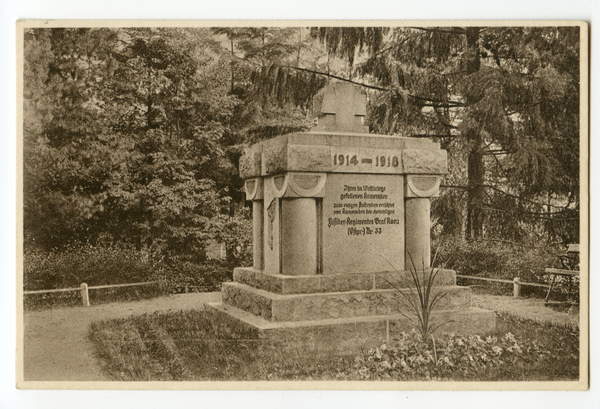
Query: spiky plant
{"x": 424, "y": 299}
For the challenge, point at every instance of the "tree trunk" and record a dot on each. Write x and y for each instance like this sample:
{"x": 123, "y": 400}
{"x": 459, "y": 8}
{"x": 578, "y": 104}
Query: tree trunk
{"x": 299, "y": 46}
{"x": 232, "y": 68}
{"x": 476, "y": 168}
{"x": 473, "y": 61}
{"x": 476, "y": 194}
{"x": 148, "y": 112}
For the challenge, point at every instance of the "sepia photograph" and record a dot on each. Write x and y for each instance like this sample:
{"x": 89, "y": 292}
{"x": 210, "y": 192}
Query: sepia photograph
{"x": 386, "y": 205}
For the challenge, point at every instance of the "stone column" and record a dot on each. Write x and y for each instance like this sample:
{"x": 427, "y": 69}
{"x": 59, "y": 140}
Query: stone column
{"x": 417, "y": 233}
{"x": 300, "y": 219}
{"x": 255, "y": 192}
{"x": 299, "y": 243}
{"x": 257, "y": 233}
{"x": 274, "y": 189}
{"x": 417, "y": 206}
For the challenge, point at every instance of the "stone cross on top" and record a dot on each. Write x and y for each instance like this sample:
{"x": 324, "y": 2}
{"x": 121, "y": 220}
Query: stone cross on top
{"x": 340, "y": 107}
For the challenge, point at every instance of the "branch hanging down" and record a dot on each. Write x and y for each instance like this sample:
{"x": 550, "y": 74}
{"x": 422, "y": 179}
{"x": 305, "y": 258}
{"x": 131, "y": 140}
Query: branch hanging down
{"x": 533, "y": 202}
{"x": 417, "y": 100}
{"x": 336, "y": 77}
{"x": 424, "y": 135}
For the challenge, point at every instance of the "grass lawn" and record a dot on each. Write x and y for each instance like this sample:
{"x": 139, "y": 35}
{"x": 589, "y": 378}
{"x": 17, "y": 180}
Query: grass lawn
{"x": 195, "y": 346}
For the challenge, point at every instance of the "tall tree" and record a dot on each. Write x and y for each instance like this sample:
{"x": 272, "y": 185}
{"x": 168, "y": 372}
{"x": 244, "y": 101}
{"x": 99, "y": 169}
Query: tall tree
{"x": 502, "y": 100}
{"x": 133, "y": 135}
{"x": 124, "y": 133}
{"x": 258, "y": 52}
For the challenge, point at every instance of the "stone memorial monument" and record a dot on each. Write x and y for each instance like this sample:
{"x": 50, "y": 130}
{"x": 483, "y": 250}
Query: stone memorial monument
{"x": 338, "y": 215}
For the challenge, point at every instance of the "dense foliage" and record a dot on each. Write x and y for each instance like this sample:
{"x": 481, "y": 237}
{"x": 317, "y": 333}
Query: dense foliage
{"x": 72, "y": 266}
{"x": 97, "y": 265}
{"x": 132, "y": 136}
{"x": 504, "y": 102}
{"x": 100, "y": 265}
{"x": 85, "y": 264}
{"x": 497, "y": 259}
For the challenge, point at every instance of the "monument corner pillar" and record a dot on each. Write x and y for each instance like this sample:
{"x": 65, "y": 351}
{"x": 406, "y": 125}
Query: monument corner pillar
{"x": 417, "y": 209}
{"x": 254, "y": 192}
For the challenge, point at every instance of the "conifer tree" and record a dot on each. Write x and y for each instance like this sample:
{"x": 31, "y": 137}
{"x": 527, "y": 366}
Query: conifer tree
{"x": 504, "y": 101}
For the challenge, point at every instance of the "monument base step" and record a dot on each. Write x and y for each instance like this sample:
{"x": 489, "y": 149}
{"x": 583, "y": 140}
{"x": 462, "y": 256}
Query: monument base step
{"x": 351, "y": 335}
{"x": 329, "y": 283}
{"x": 319, "y": 306}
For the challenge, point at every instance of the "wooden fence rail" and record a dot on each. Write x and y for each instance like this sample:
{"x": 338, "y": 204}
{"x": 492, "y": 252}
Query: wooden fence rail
{"x": 516, "y": 283}
{"x": 84, "y": 289}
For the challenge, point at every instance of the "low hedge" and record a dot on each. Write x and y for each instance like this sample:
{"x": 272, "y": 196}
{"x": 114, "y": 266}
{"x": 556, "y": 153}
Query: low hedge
{"x": 97, "y": 265}
{"x": 498, "y": 259}
{"x": 183, "y": 277}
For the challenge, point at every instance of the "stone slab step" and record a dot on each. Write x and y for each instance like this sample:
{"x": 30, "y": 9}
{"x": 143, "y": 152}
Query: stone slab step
{"x": 350, "y": 335}
{"x": 282, "y": 284}
{"x": 318, "y": 306}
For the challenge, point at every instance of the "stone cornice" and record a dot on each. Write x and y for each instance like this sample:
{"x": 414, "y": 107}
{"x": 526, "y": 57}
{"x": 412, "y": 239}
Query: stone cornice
{"x": 339, "y": 152}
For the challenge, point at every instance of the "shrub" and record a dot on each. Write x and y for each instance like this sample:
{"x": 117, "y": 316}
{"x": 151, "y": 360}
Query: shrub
{"x": 236, "y": 233}
{"x": 495, "y": 259}
{"x": 183, "y": 276}
{"x": 85, "y": 264}
{"x": 102, "y": 265}
{"x": 91, "y": 265}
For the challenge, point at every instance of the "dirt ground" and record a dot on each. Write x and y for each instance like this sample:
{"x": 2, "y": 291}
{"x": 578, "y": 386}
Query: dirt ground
{"x": 530, "y": 308}
{"x": 56, "y": 344}
{"x": 57, "y": 348}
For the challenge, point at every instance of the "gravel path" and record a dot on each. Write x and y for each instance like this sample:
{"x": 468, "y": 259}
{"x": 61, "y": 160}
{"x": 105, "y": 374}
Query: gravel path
{"x": 529, "y": 308}
{"x": 57, "y": 348}
{"x": 56, "y": 345}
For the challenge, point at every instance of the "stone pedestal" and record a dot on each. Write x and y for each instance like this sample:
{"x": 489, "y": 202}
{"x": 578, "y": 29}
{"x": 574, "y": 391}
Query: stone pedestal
{"x": 339, "y": 215}
{"x": 341, "y": 313}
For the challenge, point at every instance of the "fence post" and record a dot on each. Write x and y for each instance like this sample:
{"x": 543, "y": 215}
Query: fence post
{"x": 85, "y": 297}
{"x": 517, "y": 287}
